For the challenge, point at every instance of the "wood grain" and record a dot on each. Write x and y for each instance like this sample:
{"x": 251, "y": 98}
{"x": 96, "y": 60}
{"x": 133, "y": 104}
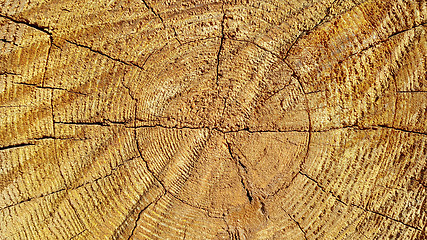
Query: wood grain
{"x": 207, "y": 119}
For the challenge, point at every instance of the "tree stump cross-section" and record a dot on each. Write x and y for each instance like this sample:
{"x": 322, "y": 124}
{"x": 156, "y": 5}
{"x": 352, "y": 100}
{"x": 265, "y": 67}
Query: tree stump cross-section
{"x": 205, "y": 119}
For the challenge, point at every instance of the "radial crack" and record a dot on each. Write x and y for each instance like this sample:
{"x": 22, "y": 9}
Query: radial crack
{"x": 241, "y": 167}
{"x": 220, "y": 47}
{"x": 9, "y": 73}
{"x": 297, "y": 223}
{"x": 191, "y": 205}
{"x": 69, "y": 189}
{"x": 104, "y": 54}
{"x": 7, "y": 41}
{"x": 146, "y": 163}
{"x": 161, "y": 19}
{"x": 140, "y": 213}
{"x": 78, "y": 234}
{"x": 405, "y": 30}
{"x": 402, "y": 130}
{"x": 45, "y": 87}
{"x": 374, "y": 44}
{"x": 357, "y": 206}
{"x": 413, "y": 91}
{"x": 27, "y": 22}
{"x": 322, "y": 188}
{"x": 47, "y": 59}
{"x": 16, "y": 146}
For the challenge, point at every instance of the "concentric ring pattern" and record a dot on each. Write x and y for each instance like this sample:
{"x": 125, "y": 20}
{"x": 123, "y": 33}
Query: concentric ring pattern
{"x": 213, "y": 119}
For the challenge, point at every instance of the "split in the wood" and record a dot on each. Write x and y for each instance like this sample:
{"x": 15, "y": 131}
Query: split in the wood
{"x": 46, "y": 87}
{"x": 297, "y": 223}
{"x": 70, "y": 188}
{"x": 26, "y": 22}
{"x": 16, "y": 146}
{"x": 354, "y": 205}
{"x": 104, "y": 54}
{"x": 140, "y": 213}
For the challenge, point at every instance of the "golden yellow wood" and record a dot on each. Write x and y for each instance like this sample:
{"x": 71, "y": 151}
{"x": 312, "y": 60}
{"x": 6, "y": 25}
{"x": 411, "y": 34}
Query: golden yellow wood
{"x": 203, "y": 119}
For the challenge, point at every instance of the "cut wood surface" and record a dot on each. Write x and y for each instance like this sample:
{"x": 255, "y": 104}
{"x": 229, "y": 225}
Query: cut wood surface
{"x": 204, "y": 119}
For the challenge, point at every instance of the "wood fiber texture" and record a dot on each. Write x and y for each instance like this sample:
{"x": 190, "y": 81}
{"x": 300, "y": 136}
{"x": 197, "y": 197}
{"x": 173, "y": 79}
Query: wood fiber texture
{"x": 204, "y": 119}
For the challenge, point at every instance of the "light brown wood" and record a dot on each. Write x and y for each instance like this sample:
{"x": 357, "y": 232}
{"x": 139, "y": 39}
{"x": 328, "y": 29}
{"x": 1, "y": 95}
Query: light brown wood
{"x": 213, "y": 120}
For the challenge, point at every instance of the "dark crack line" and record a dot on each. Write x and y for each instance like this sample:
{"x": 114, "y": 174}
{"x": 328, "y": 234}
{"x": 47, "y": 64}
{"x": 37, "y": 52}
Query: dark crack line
{"x": 69, "y": 189}
{"x": 14, "y": 106}
{"x": 388, "y": 217}
{"x": 146, "y": 163}
{"x": 241, "y": 167}
{"x": 140, "y": 213}
{"x": 207, "y": 128}
{"x": 307, "y": 31}
{"x": 9, "y": 73}
{"x": 205, "y": 210}
{"x": 52, "y": 107}
{"x": 7, "y": 41}
{"x": 104, "y": 54}
{"x": 405, "y": 30}
{"x": 220, "y": 47}
{"x": 104, "y": 123}
{"x": 414, "y": 91}
{"x": 322, "y": 188}
{"x": 26, "y": 22}
{"x": 78, "y": 234}
{"x": 161, "y": 19}
{"x": 297, "y": 223}
{"x": 45, "y": 87}
{"x": 32, "y": 198}
{"x": 119, "y": 229}
{"x": 47, "y": 59}
{"x": 357, "y": 206}
{"x": 372, "y": 45}
{"x": 161, "y": 183}
{"x": 185, "y": 232}
{"x": 58, "y": 138}
{"x": 16, "y": 146}
{"x": 154, "y": 12}
{"x": 107, "y": 122}
{"x": 217, "y": 76}
{"x": 421, "y": 183}
{"x": 402, "y": 130}
{"x": 292, "y": 45}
